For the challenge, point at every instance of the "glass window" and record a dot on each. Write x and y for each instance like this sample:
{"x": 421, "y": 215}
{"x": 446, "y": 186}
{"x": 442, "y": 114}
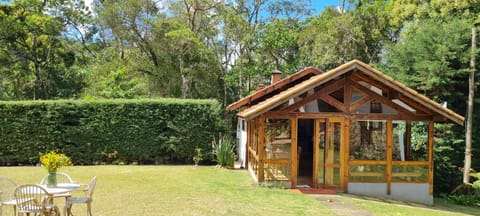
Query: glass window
{"x": 410, "y": 141}
{"x": 367, "y": 173}
{"x": 403, "y": 173}
{"x": 277, "y": 172}
{"x": 278, "y": 138}
{"x": 368, "y": 140}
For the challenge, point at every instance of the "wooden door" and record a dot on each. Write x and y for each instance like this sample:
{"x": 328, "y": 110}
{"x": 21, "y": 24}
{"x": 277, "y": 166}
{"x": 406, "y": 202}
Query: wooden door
{"x": 328, "y": 153}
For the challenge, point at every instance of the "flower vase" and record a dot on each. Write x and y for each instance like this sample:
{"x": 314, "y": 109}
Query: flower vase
{"x": 52, "y": 180}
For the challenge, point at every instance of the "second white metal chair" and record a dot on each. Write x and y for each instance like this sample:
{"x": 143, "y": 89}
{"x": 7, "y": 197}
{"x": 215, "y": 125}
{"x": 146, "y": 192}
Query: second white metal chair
{"x": 67, "y": 210}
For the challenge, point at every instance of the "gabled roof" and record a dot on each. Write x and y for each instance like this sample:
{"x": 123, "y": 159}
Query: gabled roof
{"x": 320, "y": 79}
{"x": 254, "y": 98}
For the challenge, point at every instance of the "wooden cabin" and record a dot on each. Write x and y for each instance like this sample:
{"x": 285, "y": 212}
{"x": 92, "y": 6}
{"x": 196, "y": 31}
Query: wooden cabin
{"x": 351, "y": 129}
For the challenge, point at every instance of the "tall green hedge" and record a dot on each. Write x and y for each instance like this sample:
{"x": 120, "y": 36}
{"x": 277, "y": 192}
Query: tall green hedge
{"x": 147, "y": 130}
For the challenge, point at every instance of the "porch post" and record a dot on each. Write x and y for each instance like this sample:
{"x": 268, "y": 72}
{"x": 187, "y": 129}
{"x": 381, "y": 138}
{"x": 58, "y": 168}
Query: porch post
{"x": 346, "y": 154}
{"x": 430, "y": 154}
{"x": 293, "y": 152}
{"x": 261, "y": 149}
{"x": 389, "y": 155}
{"x": 315, "y": 151}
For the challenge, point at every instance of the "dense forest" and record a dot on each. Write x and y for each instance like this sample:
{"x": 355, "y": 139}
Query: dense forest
{"x": 222, "y": 49}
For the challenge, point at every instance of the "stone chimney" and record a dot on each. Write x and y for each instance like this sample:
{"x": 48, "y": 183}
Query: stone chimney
{"x": 276, "y": 76}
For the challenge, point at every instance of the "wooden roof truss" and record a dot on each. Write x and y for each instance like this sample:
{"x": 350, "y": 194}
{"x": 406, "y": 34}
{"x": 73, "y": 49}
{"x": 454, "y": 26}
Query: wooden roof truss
{"x": 387, "y": 98}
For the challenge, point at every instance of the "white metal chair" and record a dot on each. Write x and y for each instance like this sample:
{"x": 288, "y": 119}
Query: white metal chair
{"x": 61, "y": 178}
{"x": 7, "y": 187}
{"x": 34, "y": 199}
{"x": 67, "y": 210}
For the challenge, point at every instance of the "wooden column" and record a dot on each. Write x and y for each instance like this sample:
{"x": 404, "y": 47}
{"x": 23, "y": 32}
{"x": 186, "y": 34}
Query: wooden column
{"x": 261, "y": 148}
{"x": 430, "y": 154}
{"x": 315, "y": 151}
{"x": 249, "y": 143}
{"x": 389, "y": 155}
{"x": 345, "y": 148}
{"x": 293, "y": 152}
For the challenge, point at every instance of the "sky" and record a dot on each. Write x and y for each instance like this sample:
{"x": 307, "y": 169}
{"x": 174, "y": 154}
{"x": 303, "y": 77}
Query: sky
{"x": 318, "y": 5}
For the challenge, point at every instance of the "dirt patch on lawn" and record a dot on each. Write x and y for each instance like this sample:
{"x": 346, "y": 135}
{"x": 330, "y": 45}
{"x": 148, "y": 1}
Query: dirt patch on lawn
{"x": 341, "y": 206}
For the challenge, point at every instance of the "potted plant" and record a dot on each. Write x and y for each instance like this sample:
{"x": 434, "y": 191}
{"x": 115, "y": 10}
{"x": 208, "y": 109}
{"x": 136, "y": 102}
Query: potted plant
{"x": 52, "y": 161}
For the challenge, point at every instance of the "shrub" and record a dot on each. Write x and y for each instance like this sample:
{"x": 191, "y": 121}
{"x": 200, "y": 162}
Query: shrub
{"x": 140, "y": 131}
{"x": 224, "y": 150}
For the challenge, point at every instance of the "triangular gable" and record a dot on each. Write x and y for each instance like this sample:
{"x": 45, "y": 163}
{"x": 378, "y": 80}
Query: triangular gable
{"x": 301, "y": 88}
{"x": 274, "y": 88}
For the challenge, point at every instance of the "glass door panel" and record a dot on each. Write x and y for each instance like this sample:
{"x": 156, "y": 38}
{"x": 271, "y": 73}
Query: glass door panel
{"x": 329, "y": 152}
{"x": 320, "y": 162}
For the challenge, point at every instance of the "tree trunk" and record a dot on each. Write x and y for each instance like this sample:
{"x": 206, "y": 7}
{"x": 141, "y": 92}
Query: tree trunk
{"x": 468, "y": 135}
{"x": 240, "y": 74}
{"x": 184, "y": 79}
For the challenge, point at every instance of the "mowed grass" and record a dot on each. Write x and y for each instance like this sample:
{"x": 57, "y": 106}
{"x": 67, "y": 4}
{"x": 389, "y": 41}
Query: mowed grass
{"x": 174, "y": 190}
{"x": 186, "y": 190}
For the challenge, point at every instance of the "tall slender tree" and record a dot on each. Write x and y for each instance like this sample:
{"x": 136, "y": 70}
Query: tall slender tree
{"x": 471, "y": 95}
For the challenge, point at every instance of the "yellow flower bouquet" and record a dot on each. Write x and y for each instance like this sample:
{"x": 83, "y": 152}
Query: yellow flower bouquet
{"x": 53, "y": 161}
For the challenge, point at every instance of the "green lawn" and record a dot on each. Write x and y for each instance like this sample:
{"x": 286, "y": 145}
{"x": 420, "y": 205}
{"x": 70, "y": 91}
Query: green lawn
{"x": 185, "y": 190}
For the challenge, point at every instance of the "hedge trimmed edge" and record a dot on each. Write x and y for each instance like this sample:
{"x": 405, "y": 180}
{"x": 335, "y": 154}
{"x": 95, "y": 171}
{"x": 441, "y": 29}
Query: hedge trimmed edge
{"x": 147, "y": 131}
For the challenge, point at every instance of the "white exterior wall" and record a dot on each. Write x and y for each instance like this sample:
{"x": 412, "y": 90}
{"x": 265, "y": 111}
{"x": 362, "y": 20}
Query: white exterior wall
{"x": 242, "y": 141}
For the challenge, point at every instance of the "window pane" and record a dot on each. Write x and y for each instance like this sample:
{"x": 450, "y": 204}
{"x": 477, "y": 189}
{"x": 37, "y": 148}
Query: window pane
{"x": 419, "y": 139}
{"x": 403, "y": 173}
{"x": 277, "y": 139}
{"x": 277, "y": 172}
{"x": 367, "y": 173}
{"x": 332, "y": 176}
{"x": 368, "y": 140}
{"x": 399, "y": 140}
{"x": 410, "y": 146}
